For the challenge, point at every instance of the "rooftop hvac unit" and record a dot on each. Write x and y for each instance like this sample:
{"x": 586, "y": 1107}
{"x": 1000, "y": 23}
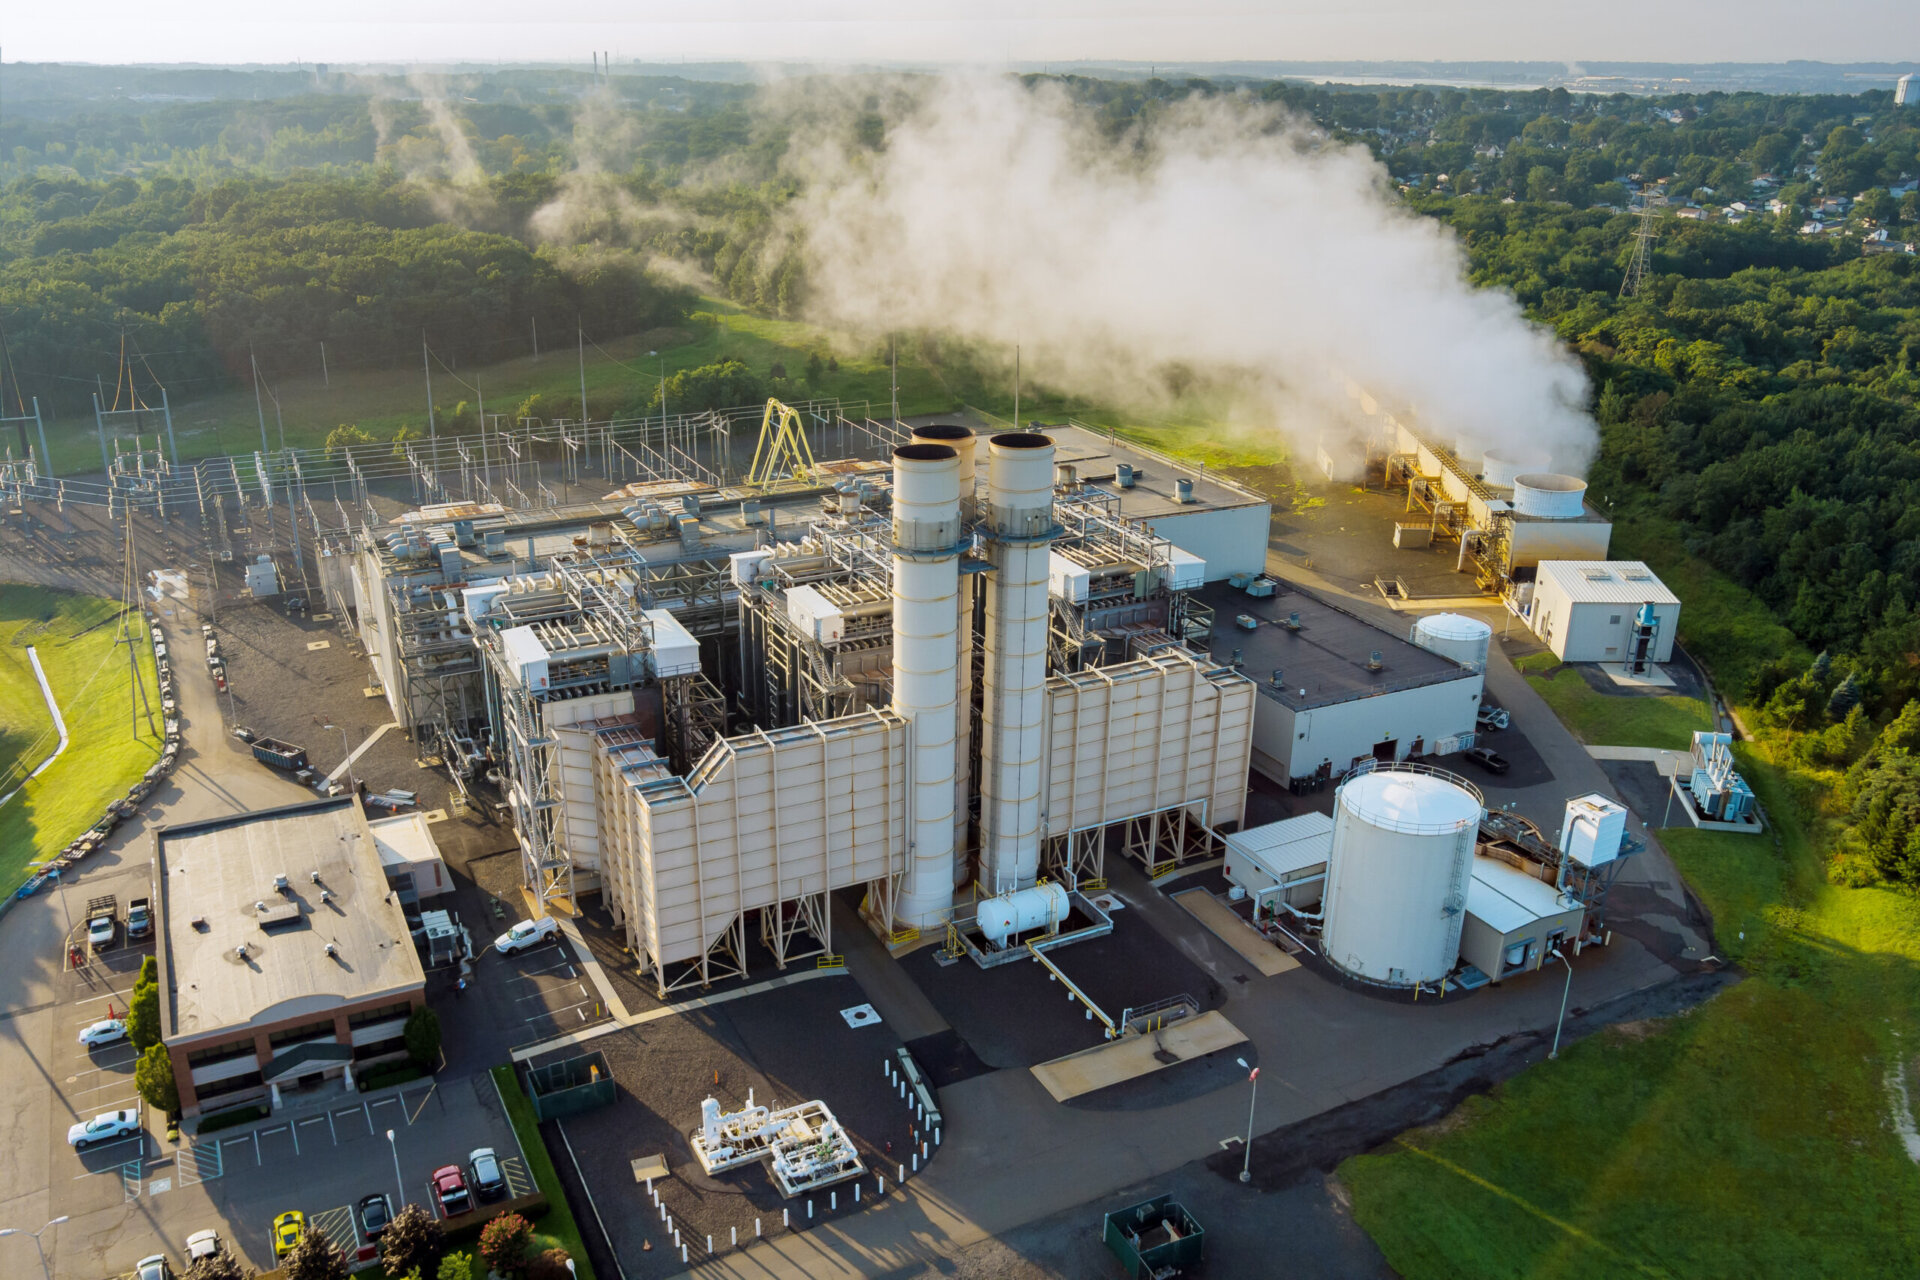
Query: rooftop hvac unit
{"x": 1123, "y": 475}
{"x": 1247, "y": 622}
{"x": 1293, "y": 621}
{"x": 1183, "y": 491}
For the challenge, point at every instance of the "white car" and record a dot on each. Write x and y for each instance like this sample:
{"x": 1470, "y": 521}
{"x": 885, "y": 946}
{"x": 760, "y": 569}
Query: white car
{"x": 527, "y": 933}
{"x": 202, "y": 1244}
{"x": 153, "y": 1268}
{"x": 100, "y": 931}
{"x": 103, "y": 1128}
{"x": 108, "y": 1031}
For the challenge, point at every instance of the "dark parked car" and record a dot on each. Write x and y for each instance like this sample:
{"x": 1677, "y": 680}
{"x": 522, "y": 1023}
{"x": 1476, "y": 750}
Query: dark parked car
{"x": 375, "y": 1213}
{"x": 488, "y": 1181}
{"x": 1487, "y": 758}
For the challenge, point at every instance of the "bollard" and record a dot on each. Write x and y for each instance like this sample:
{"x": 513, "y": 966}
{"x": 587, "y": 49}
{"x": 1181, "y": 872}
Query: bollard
{"x": 709, "y": 1244}
{"x": 916, "y": 1163}
{"x": 833, "y": 1201}
{"x": 683, "y": 1253}
{"x": 900, "y": 1174}
{"x": 783, "y": 1219}
{"x": 903, "y": 1088}
{"x": 883, "y": 1184}
{"x": 923, "y": 1151}
{"x": 856, "y": 1193}
{"x": 756, "y": 1228}
{"x": 936, "y": 1135}
{"x": 809, "y": 1209}
{"x": 733, "y": 1236}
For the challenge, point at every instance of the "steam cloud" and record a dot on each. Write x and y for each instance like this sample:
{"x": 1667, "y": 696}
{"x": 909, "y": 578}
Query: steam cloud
{"x": 1226, "y": 243}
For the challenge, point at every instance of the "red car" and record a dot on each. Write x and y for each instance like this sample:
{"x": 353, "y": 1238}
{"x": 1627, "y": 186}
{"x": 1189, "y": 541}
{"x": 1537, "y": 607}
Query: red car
{"x": 450, "y": 1190}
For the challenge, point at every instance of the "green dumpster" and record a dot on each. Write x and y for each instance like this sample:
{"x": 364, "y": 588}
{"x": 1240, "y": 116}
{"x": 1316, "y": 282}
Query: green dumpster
{"x": 1155, "y": 1238}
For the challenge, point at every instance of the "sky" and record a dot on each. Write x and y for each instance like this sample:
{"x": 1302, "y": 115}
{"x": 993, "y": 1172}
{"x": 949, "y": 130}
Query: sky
{"x": 979, "y": 32}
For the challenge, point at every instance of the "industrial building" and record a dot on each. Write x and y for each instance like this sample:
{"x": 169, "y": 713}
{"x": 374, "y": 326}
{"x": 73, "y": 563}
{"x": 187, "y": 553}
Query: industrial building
{"x": 1414, "y": 884}
{"x": 1602, "y": 611}
{"x": 971, "y": 661}
{"x": 285, "y": 959}
{"x": 1336, "y": 691}
{"x": 1506, "y": 509}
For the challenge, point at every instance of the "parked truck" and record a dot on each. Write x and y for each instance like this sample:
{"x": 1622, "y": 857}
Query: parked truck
{"x": 139, "y": 917}
{"x": 280, "y": 755}
{"x": 102, "y": 914}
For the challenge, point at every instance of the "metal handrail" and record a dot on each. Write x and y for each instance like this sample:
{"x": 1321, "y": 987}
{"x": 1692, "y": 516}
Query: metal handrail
{"x": 1410, "y": 766}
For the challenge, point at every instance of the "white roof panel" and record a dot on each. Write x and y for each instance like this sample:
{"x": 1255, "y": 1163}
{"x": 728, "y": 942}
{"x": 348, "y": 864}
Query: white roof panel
{"x": 1285, "y": 847}
{"x": 1507, "y": 899}
{"x": 1607, "y": 582}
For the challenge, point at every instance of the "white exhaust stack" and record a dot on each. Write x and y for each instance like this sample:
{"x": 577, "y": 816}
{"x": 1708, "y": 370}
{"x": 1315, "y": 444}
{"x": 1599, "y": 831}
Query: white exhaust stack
{"x": 961, "y": 440}
{"x": 1018, "y": 516}
{"x": 926, "y": 573}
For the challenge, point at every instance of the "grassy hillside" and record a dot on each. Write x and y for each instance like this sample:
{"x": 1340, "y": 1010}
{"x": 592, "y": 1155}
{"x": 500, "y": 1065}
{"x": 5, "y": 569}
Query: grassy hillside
{"x": 74, "y": 636}
{"x": 1752, "y": 1136}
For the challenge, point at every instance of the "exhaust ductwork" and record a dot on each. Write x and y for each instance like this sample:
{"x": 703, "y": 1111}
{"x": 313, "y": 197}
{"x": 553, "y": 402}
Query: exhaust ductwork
{"x": 1018, "y": 517}
{"x": 926, "y": 572}
{"x": 961, "y": 440}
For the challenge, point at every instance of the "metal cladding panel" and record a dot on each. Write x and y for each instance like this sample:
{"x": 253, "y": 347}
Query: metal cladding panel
{"x": 1531, "y": 541}
{"x": 1066, "y": 580}
{"x": 765, "y": 818}
{"x": 816, "y": 616}
{"x": 1397, "y": 877}
{"x": 525, "y": 657}
{"x": 1184, "y": 571}
{"x": 1142, "y": 737}
{"x": 675, "y": 651}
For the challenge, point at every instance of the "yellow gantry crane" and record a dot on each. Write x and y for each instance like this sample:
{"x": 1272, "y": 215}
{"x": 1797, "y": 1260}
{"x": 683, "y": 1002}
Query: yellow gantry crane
{"x": 782, "y": 454}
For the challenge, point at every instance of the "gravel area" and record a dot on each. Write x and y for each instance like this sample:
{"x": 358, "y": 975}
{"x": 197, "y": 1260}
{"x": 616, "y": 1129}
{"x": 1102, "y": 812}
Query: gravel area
{"x": 786, "y": 1046}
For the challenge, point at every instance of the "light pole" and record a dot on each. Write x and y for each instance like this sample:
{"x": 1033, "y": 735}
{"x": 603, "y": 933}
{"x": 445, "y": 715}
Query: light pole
{"x": 346, "y": 752}
{"x": 1673, "y": 780}
{"x": 1567, "y": 991}
{"x": 398, "y": 1180}
{"x": 12, "y": 1231}
{"x": 1253, "y": 1092}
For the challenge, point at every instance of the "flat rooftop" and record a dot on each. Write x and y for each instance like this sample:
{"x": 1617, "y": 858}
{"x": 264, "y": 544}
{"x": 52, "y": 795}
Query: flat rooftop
{"x": 1095, "y": 456}
{"x": 1325, "y": 661}
{"x": 1606, "y": 582}
{"x": 1507, "y": 899}
{"x": 212, "y": 879}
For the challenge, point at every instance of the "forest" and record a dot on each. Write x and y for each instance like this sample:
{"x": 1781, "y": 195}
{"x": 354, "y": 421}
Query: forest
{"x": 1757, "y": 396}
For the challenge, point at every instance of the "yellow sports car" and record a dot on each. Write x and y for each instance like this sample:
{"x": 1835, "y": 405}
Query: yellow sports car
{"x": 287, "y": 1230}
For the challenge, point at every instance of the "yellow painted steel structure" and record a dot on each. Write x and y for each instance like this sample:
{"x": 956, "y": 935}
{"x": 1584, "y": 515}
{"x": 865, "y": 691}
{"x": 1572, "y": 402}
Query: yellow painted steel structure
{"x": 782, "y": 454}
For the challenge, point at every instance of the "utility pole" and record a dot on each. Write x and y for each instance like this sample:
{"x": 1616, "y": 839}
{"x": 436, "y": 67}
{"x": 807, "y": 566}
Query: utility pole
{"x": 326, "y": 382}
{"x": 534, "y": 321}
{"x": 1016, "y": 388}
{"x": 427, "y": 368}
{"x": 258, "y": 406}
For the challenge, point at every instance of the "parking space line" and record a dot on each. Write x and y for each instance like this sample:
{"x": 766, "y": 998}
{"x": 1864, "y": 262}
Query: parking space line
{"x": 130, "y": 1176}
{"x": 327, "y": 1120}
{"x": 519, "y": 1181}
{"x": 337, "y": 1225}
{"x": 531, "y": 974}
{"x": 199, "y": 1162}
{"x": 423, "y": 1103}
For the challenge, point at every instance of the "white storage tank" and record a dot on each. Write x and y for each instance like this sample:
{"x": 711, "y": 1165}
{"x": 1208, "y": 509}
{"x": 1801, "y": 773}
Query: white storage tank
{"x": 1041, "y": 907}
{"x": 1403, "y": 838}
{"x": 1549, "y": 497}
{"x": 1456, "y": 636}
{"x": 1501, "y": 467}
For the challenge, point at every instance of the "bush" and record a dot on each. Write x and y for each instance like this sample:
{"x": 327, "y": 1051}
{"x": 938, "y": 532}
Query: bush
{"x": 551, "y": 1265}
{"x": 456, "y": 1266}
{"x": 423, "y": 1036}
{"x": 722, "y": 385}
{"x": 315, "y": 1257}
{"x": 412, "y": 1242}
{"x": 218, "y": 1265}
{"x": 143, "y": 1010}
{"x": 388, "y": 1074}
{"x": 228, "y": 1119}
{"x": 153, "y": 1077}
{"x": 503, "y": 1243}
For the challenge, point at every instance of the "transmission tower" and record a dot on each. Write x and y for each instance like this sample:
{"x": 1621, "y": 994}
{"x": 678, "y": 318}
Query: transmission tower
{"x": 1643, "y": 235}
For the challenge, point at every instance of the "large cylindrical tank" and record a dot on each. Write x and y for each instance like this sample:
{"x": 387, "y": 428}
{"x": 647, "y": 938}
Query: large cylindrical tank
{"x": 1396, "y": 895}
{"x": 926, "y": 583}
{"x": 1548, "y": 496}
{"x": 1041, "y": 907}
{"x": 958, "y": 438}
{"x": 1018, "y": 518}
{"x": 1456, "y": 636}
{"x": 1501, "y": 467}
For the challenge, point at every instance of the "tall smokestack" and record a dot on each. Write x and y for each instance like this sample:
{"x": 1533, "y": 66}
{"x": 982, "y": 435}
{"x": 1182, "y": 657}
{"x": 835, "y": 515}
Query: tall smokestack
{"x": 926, "y": 650}
{"x": 1019, "y": 521}
{"x": 961, "y": 440}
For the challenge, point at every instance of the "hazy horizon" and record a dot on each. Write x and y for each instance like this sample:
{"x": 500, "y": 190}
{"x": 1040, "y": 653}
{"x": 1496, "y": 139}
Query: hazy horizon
{"x": 942, "y": 32}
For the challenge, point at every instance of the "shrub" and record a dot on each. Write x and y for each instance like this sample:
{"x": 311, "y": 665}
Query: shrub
{"x": 423, "y": 1036}
{"x": 411, "y": 1243}
{"x": 315, "y": 1257}
{"x": 218, "y": 1265}
{"x": 551, "y": 1265}
{"x": 503, "y": 1243}
{"x": 228, "y": 1119}
{"x": 456, "y": 1266}
{"x": 153, "y": 1077}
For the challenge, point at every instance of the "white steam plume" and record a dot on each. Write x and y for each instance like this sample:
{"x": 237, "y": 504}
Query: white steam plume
{"x": 1226, "y": 240}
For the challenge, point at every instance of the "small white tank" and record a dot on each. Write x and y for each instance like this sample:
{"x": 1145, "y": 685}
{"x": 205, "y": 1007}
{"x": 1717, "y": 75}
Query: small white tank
{"x": 1397, "y": 874}
{"x": 1456, "y": 636}
{"x": 1501, "y": 467}
{"x": 1040, "y": 907}
{"x": 1549, "y": 497}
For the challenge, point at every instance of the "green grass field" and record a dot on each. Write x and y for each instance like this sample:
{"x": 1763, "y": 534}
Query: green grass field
{"x": 1602, "y": 720}
{"x": 1752, "y": 1136}
{"x": 74, "y": 636}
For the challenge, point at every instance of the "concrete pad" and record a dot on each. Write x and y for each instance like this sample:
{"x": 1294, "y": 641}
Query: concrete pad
{"x": 1223, "y": 924}
{"x": 1136, "y": 1056}
{"x": 1651, "y": 678}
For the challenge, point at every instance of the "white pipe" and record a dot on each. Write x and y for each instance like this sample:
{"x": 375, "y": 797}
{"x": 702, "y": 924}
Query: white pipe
{"x": 1018, "y": 516}
{"x": 962, "y": 441}
{"x": 926, "y": 583}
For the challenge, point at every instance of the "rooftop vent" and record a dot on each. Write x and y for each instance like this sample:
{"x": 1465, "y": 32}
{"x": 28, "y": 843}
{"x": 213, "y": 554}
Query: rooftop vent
{"x": 1183, "y": 491}
{"x": 1237, "y": 659}
{"x": 1247, "y": 622}
{"x": 1375, "y": 661}
{"x": 240, "y": 952}
{"x": 333, "y": 951}
{"x": 281, "y": 883}
{"x": 1275, "y": 677}
{"x": 1123, "y": 475}
{"x": 326, "y": 895}
{"x": 1293, "y": 621}
{"x": 199, "y": 924}
{"x": 314, "y": 876}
